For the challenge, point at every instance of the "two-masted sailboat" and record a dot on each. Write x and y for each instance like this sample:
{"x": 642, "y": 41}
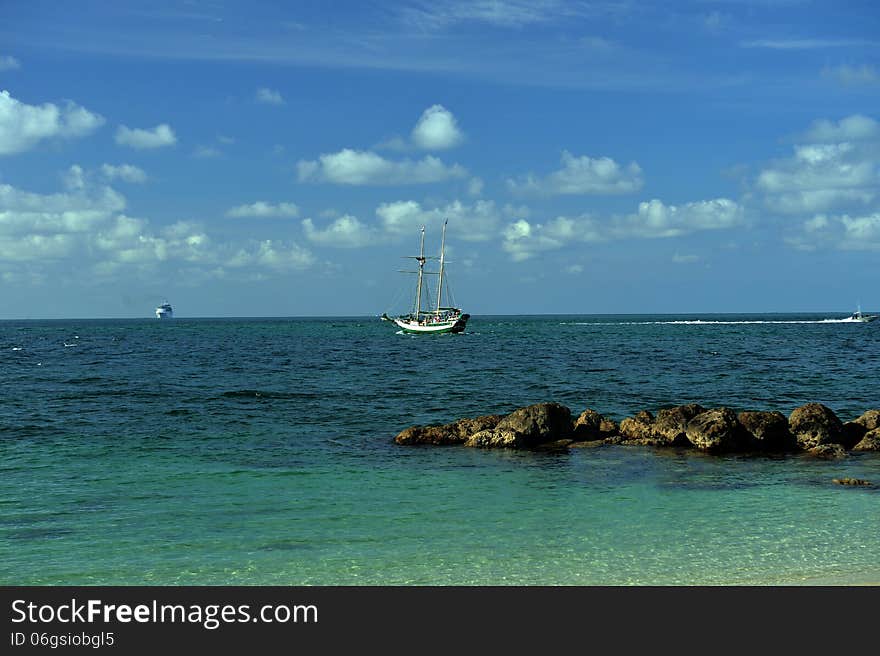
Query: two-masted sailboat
{"x": 427, "y": 317}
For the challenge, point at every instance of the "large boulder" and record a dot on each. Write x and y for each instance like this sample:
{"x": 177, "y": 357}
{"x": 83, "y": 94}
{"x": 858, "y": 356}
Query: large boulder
{"x": 590, "y": 425}
{"x": 768, "y": 430}
{"x": 498, "y": 438}
{"x": 814, "y": 425}
{"x": 716, "y": 430}
{"x": 639, "y": 427}
{"x": 870, "y": 420}
{"x": 870, "y": 442}
{"x": 538, "y": 423}
{"x": 456, "y": 432}
{"x": 670, "y": 426}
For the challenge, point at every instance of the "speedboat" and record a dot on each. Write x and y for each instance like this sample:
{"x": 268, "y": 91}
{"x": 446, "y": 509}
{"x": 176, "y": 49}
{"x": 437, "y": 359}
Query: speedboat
{"x": 863, "y": 318}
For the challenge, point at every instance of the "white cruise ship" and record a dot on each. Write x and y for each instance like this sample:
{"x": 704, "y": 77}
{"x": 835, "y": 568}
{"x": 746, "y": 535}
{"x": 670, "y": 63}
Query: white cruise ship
{"x": 164, "y": 311}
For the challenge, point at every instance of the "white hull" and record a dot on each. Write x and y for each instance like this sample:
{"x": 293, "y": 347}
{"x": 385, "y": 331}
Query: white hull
{"x": 435, "y": 328}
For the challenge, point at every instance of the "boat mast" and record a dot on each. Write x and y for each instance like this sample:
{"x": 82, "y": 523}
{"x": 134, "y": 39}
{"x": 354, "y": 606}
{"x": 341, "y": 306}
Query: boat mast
{"x": 440, "y": 282}
{"x": 421, "y": 260}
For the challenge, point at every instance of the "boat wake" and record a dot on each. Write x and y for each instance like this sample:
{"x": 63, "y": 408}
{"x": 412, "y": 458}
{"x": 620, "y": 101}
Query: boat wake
{"x": 706, "y": 322}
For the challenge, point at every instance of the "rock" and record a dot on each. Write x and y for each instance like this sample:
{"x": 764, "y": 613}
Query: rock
{"x": 815, "y": 425}
{"x": 498, "y": 438}
{"x": 455, "y": 433}
{"x": 670, "y": 426}
{"x": 639, "y": 427}
{"x": 541, "y": 422}
{"x": 870, "y": 420}
{"x": 853, "y": 433}
{"x": 590, "y": 425}
{"x": 828, "y": 451}
{"x": 768, "y": 430}
{"x": 853, "y": 481}
{"x": 870, "y": 442}
{"x": 716, "y": 430}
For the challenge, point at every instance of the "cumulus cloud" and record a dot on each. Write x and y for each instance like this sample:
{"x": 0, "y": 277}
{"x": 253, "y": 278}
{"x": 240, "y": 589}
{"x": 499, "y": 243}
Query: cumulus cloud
{"x": 476, "y": 222}
{"x": 272, "y": 254}
{"x": 157, "y": 137}
{"x": 852, "y": 128}
{"x": 582, "y": 175}
{"x": 269, "y": 96}
{"x": 87, "y": 225}
{"x": 353, "y": 167}
{"x": 838, "y": 169}
{"x": 653, "y": 220}
{"x": 344, "y": 232}
{"x": 124, "y": 172}
{"x": 262, "y": 209}
{"x": 841, "y": 232}
{"x": 437, "y": 129}
{"x": 9, "y": 63}
{"x": 22, "y": 126}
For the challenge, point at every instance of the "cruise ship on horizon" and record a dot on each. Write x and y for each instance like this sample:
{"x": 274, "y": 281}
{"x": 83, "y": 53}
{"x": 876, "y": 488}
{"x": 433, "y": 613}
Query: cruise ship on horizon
{"x": 164, "y": 311}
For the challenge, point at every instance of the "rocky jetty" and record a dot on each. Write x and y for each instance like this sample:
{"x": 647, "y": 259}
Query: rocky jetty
{"x": 812, "y": 428}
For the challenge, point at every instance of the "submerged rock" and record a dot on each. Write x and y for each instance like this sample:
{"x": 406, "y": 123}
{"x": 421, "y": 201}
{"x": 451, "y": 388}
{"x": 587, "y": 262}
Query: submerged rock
{"x": 828, "y": 451}
{"x": 458, "y": 432}
{"x": 853, "y": 481}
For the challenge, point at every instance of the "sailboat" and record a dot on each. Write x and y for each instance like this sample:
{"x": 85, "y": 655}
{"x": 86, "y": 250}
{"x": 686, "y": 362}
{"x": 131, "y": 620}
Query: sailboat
{"x": 427, "y": 318}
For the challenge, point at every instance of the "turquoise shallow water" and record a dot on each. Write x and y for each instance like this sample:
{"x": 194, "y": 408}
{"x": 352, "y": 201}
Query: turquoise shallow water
{"x": 259, "y": 451}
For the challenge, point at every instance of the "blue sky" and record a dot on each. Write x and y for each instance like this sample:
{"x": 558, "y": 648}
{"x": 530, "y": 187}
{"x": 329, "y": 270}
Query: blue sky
{"x": 278, "y": 159}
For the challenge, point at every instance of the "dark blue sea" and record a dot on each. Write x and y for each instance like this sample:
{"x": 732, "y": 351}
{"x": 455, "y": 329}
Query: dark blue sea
{"x": 260, "y": 451}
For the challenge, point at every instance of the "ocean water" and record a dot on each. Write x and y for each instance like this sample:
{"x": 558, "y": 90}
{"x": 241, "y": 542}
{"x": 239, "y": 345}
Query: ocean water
{"x": 260, "y": 451}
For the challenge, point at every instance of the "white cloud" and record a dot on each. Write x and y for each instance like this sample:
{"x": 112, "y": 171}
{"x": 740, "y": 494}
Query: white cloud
{"x": 22, "y": 126}
{"x": 475, "y": 187}
{"x": 86, "y": 226}
{"x": 125, "y": 172}
{"x": 9, "y": 63}
{"x": 497, "y": 13}
{"x": 852, "y": 128}
{"x": 262, "y": 209}
{"x": 353, "y": 167}
{"x": 842, "y": 232}
{"x": 158, "y": 137}
{"x": 272, "y": 254}
{"x": 839, "y": 169}
{"x": 477, "y": 222}
{"x": 437, "y": 129}
{"x": 344, "y": 232}
{"x": 523, "y": 240}
{"x": 653, "y": 220}
{"x": 269, "y": 96}
{"x": 574, "y": 269}
{"x": 850, "y": 76}
{"x": 582, "y": 175}
{"x": 686, "y": 259}
{"x": 206, "y": 152}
